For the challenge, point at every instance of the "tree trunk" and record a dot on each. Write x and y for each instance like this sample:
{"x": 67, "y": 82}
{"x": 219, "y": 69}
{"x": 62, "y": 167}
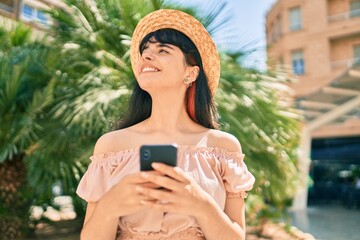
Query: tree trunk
{"x": 14, "y": 206}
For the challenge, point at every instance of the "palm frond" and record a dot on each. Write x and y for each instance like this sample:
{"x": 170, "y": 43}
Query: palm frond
{"x": 250, "y": 107}
{"x": 62, "y": 96}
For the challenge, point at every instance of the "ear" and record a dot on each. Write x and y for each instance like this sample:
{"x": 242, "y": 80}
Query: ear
{"x": 193, "y": 73}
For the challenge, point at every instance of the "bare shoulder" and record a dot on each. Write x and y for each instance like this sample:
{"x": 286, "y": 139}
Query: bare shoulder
{"x": 111, "y": 142}
{"x": 221, "y": 139}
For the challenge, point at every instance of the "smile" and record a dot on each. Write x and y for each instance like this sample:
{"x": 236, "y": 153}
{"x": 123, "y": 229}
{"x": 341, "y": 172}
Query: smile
{"x": 149, "y": 69}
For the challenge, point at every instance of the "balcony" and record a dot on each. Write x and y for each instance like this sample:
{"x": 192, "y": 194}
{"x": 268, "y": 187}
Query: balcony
{"x": 6, "y": 8}
{"x": 344, "y": 16}
{"x": 343, "y": 64}
{"x": 274, "y": 36}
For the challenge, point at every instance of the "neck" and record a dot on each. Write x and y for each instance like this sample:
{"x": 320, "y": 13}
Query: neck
{"x": 169, "y": 113}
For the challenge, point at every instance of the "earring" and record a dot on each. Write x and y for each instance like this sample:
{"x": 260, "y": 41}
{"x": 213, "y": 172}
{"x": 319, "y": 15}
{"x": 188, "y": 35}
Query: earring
{"x": 186, "y": 80}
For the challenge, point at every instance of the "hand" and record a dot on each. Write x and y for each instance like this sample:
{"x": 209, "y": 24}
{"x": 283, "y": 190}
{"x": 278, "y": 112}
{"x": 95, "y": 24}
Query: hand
{"x": 123, "y": 199}
{"x": 181, "y": 194}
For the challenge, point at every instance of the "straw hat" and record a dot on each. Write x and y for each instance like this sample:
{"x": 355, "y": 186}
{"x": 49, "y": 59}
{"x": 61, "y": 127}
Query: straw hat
{"x": 188, "y": 25}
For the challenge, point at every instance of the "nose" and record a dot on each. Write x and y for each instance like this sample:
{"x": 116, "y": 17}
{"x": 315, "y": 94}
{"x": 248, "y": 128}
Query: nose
{"x": 147, "y": 55}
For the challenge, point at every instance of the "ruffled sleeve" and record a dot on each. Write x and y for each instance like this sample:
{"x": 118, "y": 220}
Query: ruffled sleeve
{"x": 95, "y": 181}
{"x": 236, "y": 177}
{"x": 104, "y": 171}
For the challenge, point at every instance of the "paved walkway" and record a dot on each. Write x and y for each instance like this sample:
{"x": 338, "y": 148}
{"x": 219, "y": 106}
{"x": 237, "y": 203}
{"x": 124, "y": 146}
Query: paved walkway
{"x": 324, "y": 222}
{"x": 329, "y": 222}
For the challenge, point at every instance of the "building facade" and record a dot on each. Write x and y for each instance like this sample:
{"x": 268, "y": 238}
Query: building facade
{"x": 31, "y": 12}
{"x": 319, "y": 42}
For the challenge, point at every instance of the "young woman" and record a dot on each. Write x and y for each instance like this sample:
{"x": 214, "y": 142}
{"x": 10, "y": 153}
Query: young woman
{"x": 177, "y": 70}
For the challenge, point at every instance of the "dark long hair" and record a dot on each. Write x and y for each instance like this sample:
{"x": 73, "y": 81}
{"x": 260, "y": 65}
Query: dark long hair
{"x": 200, "y": 104}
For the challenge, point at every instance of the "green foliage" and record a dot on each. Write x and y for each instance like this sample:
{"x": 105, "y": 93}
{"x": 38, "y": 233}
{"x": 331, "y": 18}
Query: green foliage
{"x": 59, "y": 95}
{"x": 29, "y": 91}
{"x": 24, "y": 90}
{"x": 255, "y": 108}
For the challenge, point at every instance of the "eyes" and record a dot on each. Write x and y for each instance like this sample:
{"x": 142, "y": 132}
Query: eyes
{"x": 158, "y": 48}
{"x": 160, "y": 51}
{"x": 163, "y": 51}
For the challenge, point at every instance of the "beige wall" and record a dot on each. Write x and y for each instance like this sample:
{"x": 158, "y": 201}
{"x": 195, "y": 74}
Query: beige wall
{"x": 327, "y": 46}
{"x": 337, "y": 6}
{"x": 343, "y": 49}
{"x": 7, "y": 2}
{"x": 347, "y": 129}
{"x": 322, "y": 41}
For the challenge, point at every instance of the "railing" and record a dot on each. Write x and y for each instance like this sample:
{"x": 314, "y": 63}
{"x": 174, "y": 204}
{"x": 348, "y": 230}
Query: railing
{"x": 274, "y": 36}
{"x": 295, "y": 27}
{"x": 344, "y": 16}
{"x": 6, "y": 8}
{"x": 345, "y": 63}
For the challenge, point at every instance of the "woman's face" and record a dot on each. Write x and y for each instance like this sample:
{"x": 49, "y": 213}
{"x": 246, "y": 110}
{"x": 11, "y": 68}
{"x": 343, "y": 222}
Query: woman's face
{"x": 161, "y": 66}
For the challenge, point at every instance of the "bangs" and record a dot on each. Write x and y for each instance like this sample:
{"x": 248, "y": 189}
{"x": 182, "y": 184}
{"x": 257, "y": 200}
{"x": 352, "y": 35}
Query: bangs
{"x": 173, "y": 37}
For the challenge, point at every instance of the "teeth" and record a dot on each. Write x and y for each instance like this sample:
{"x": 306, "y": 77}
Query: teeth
{"x": 149, "y": 69}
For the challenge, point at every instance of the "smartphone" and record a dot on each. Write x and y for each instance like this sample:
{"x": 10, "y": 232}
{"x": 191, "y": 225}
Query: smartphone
{"x": 166, "y": 154}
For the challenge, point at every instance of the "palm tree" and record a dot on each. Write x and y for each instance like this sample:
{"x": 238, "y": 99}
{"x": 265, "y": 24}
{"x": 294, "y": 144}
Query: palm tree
{"x": 257, "y": 109}
{"x": 25, "y": 91}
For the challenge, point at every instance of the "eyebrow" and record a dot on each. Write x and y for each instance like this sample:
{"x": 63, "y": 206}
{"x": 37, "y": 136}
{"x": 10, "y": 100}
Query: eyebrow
{"x": 165, "y": 45}
{"x": 159, "y": 45}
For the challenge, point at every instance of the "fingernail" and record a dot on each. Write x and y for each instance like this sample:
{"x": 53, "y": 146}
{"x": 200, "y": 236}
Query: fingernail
{"x": 144, "y": 175}
{"x": 155, "y": 165}
{"x": 144, "y": 202}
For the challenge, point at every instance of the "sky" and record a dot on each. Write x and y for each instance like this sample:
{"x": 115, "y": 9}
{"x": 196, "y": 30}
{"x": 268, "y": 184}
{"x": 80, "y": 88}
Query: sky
{"x": 247, "y": 23}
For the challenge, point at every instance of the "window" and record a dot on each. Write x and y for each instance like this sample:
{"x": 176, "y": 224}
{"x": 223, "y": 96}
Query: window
{"x": 295, "y": 19}
{"x": 273, "y": 33}
{"x": 28, "y": 11}
{"x": 280, "y": 65}
{"x": 355, "y": 8}
{"x": 277, "y": 29}
{"x": 298, "y": 62}
{"x": 268, "y": 36}
{"x": 357, "y": 53}
{"x": 32, "y": 14}
{"x": 8, "y": 7}
{"x": 279, "y": 26}
{"x": 41, "y": 16}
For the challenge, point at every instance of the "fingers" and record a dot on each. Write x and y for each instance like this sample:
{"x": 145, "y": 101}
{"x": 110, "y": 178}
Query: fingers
{"x": 162, "y": 181}
{"x": 173, "y": 172}
{"x": 161, "y": 206}
{"x": 163, "y": 196}
{"x": 136, "y": 178}
{"x": 146, "y": 198}
{"x": 149, "y": 185}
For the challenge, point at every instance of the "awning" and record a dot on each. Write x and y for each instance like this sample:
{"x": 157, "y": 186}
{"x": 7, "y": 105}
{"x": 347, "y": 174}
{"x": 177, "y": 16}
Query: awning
{"x": 336, "y": 102}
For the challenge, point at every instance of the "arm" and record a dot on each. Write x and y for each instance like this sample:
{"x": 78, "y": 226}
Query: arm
{"x": 229, "y": 224}
{"x": 187, "y": 197}
{"x": 98, "y": 224}
{"x": 102, "y": 216}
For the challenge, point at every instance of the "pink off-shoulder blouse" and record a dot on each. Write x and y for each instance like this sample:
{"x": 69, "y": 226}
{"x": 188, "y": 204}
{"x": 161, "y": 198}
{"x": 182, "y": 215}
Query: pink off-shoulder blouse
{"x": 221, "y": 173}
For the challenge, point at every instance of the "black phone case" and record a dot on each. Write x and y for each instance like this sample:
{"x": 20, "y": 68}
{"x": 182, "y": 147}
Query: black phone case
{"x": 166, "y": 154}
